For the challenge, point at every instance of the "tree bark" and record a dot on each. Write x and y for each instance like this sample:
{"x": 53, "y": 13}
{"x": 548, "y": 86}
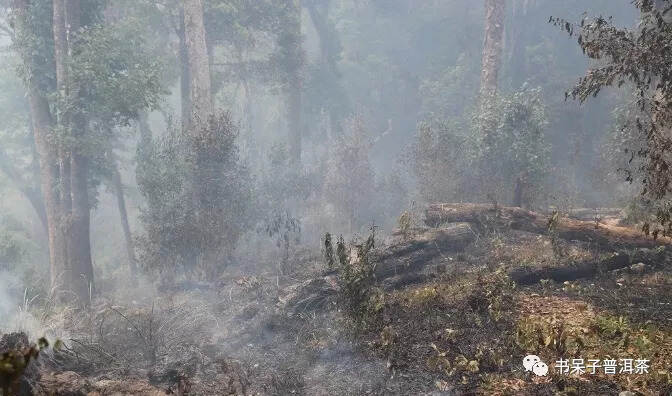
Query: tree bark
{"x": 485, "y": 216}
{"x": 329, "y": 50}
{"x": 199, "y": 67}
{"x": 412, "y": 252}
{"x": 517, "y": 45}
{"x": 123, "y": 215}
{"x": 42, "y": 125}
{"x": 185, "y": 85}
{"x": 294, "y": 84}
{"x": 60, "y": 34}
{"x": 492, "y": 47}
{"x": 74, "y": 163}
{"x": 589, "y": 269}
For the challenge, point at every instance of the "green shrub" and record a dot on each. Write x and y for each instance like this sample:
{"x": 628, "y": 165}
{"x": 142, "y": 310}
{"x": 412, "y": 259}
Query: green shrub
{"x": 359, "y": 296}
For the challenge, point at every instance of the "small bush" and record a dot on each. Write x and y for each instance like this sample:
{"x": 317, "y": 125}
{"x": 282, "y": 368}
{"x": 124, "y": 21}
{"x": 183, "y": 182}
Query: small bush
{"x": 198, "y": 197}
{"x": 356, "y": 275}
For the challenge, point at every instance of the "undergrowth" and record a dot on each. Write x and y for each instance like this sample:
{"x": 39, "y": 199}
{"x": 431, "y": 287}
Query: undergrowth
{"x": 355, "y": 265}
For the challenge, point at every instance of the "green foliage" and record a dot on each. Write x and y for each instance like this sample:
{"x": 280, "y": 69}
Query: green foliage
{"x": 549, "y": 336}
{"x": 16, "y": 247}
{"x": 515, "y": 152}
{"x": 35, "y": 43}
{"x": 329, "y": 252}
{"x": 198, "y": 199}
{"x": 11, "y": 250}
{"x": 495, "y": 294}
{"x": 611, "y": 327}
{"x": 442, "y": 161}
{"x": 286, "y": 230}
{"x": 356, "y": 276}
{"x": 640, "y": 59}
{"x": 350, "y": 180}
{"x": 405, "y": 223}
{"x": 118, "y": 70}
{"x": 552, "y": 230}
{"x": 504, "y": 147}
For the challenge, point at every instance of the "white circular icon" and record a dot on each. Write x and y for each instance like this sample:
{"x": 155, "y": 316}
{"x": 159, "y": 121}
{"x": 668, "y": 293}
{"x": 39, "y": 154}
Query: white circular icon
{"x": 529, "y": 361}
{"x": 540, "y": 369}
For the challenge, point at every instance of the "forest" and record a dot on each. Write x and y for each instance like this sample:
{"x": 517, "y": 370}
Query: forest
{"x": 335, "y": 197}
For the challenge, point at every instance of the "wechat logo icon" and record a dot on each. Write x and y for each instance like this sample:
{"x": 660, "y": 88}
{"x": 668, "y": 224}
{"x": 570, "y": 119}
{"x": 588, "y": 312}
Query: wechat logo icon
{"x": 534, "y": 364}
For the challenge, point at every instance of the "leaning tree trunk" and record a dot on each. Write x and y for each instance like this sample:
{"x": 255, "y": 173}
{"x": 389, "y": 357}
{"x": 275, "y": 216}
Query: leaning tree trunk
{"x": 118, "y": 188}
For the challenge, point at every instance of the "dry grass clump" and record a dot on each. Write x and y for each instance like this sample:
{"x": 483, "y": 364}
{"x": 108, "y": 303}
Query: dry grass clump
{"x": 149, "y": 339}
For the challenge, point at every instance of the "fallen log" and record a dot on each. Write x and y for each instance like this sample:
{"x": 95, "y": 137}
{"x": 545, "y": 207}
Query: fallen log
{"x": 620, "y": 260}
{"x": 399, "y": 263}
{"x": 415, "y": 250}
{"x": 485, "y": 216}
{"x": 588, "y": 214}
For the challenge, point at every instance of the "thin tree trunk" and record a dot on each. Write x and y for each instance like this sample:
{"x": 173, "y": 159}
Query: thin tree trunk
{"x": 244, "y": 78}
{"x": 123, "y": 215}
{"x": 294, "y": 87}
{"x": 185, "y": 85}
{"x": 145, "y": 130}
{"x": 201, "y": 112}
{"x": 62, "y": 119}
{"x": 490, "y": 66}
{"x": 492, "y": 47}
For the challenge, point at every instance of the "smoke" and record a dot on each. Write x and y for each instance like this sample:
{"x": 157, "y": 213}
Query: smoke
{"x": 10, "y": 305}
{"x": 14, "y": 308}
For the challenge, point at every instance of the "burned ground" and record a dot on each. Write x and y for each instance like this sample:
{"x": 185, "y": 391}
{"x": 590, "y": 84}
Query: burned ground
{"x": 449, "y": 320}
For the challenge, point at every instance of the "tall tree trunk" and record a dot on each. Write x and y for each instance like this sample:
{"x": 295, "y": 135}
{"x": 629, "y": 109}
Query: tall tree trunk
{"x": 74, "y": 163}
{"x": 490, "y": 66}
{"x": 329, "y": 50}
{"x": 185, "y": 85}
{"x": 244, "y": 78}
{"x": 118, "y": 188}
{"x": 62, "y": 119}
{"x": 49, "y": 179}
{"x": 517, "y": 40}
{"x": 201, "y": 112}
{"x": 492, "y": 47}
{"x": 199, "y": 66}
{"x": 42, "y": 125}
{"x": 294, "y": 84}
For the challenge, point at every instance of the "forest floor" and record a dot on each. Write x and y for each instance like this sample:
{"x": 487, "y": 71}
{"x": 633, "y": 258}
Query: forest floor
{"x": 462, "y": 327}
